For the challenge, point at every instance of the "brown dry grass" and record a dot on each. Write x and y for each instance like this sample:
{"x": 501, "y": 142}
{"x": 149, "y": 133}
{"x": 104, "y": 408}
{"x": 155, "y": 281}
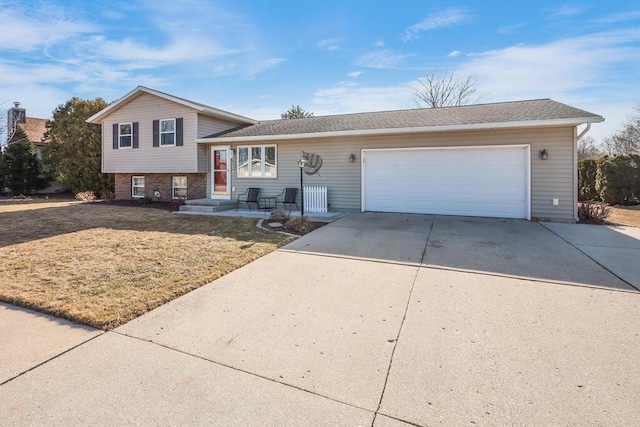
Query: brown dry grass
{"x": 104, "y": 265}
{"x": 627, "y": 215}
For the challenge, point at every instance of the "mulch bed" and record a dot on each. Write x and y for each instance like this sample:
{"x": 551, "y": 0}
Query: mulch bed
{"x": 167, "y": 206}
{"x": 267, "y": 226}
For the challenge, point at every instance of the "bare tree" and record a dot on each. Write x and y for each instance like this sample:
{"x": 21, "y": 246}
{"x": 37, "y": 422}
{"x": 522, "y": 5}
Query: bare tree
{"x": 446, "y": 90}
{"x": 627, "y": 141}
{"x": 588, "y": 149}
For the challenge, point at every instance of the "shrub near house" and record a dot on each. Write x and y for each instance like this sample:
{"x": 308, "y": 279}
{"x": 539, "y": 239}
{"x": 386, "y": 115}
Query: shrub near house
{"x": 614, "y": 180}
{"x": 587, "y": 170}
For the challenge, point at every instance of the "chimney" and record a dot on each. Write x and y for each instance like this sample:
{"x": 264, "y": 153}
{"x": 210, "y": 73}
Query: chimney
{"x": 15, "y": 115}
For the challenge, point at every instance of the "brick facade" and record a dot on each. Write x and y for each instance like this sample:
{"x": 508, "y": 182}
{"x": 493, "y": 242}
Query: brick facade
{"x": 196, "y": 185}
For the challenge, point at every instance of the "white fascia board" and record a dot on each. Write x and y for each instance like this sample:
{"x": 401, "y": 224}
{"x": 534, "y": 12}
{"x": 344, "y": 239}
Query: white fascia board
{"x": 396, "y": 131}
{"x": 205, "y": 109}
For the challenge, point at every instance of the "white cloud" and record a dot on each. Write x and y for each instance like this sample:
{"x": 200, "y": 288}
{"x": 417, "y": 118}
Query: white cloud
{"x": 618, "y": 17}
{"x": 330, "y": 44}
{"x": 567, "y": 10}
{"x": 354, "y": 74}
{"x": 434, "y": 21}
{"x": 379, "y": 43}
{"x": 349, "y": 98}
{"x": 27, "y": 28}
{"x": 454, "y": 54}
{"x": 579, "y": 71}
{"x": 383, "y": 59}
{"x": 263, "y": 65}
{"x": 508, "y": 29}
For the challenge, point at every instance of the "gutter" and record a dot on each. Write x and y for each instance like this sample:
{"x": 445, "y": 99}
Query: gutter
{"x": 398, "y": 131}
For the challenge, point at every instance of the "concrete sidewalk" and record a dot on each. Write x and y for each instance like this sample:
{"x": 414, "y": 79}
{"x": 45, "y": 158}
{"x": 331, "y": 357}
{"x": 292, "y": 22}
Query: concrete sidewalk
{"x": 616, "y": 248}
{"x": 352, "y": 334}
{"x": 29, "y": 338}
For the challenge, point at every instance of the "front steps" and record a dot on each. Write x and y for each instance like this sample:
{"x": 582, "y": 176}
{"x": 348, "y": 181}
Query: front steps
{"x": 208, "y": 205}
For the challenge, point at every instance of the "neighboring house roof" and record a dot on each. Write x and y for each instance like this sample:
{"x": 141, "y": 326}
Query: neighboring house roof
{"x": 532, "y": 113}
{"x": 34, "y": 129}
{"x": 202, "y": 108}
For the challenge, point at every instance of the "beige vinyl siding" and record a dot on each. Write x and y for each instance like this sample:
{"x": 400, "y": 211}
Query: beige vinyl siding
{"x": 209, "y": 126}
{"x": 148, "y": 159}
{"x": 552, "y": 178}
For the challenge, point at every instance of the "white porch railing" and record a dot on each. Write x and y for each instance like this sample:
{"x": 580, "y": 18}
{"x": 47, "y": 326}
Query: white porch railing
{"x": 315, "y": 199}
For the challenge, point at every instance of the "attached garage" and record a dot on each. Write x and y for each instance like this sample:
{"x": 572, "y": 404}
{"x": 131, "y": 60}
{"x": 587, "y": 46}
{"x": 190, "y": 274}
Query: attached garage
{"x": 487, "y": 181}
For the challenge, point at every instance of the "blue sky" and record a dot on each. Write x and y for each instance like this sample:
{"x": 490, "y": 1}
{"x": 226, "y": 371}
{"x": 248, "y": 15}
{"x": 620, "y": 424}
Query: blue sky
{"x": 257, "y": 58}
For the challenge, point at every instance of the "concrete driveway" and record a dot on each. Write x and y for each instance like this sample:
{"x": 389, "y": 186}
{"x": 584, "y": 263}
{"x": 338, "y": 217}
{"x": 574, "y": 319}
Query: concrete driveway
{"x": 374, "y": 319}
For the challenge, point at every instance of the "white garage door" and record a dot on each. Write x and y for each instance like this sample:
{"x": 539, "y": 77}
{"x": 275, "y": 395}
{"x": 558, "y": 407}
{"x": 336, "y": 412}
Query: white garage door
{"x": 479, "y": 181}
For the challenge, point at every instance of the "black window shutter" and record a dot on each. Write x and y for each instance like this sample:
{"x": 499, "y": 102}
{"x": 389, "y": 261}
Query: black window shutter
{"x": 179, "y": 138}
{"x": 115, "y": 136}
{"x": 156, "y": 133}
{"x": 135, "y": 134}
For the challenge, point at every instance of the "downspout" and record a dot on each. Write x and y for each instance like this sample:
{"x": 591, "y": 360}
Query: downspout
{"x": 584, "y": 132}
{"x": 575, "y": 169}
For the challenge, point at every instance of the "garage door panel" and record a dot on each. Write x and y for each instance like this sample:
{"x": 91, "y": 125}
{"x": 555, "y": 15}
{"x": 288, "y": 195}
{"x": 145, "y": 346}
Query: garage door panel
{"x": 479, "y": 181}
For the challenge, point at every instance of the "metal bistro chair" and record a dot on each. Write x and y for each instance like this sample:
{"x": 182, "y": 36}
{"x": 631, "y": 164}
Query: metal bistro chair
{"x": 250, "y": 196}
{"x": 289, "y": 197}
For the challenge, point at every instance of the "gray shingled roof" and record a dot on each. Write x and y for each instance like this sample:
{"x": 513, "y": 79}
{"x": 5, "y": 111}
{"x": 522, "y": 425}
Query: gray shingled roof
{"x": 538, "y": 109}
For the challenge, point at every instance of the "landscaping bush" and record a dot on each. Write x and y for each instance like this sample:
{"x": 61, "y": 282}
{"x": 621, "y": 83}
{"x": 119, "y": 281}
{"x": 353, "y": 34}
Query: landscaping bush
{"x": 618, "y": 179}
{"x": 587, "y": 170}
{"x": 86, "y": 196}
{"x": 279, "y": 216}
{"x": 593, "y": 211}
{"x": 299, "y": 225}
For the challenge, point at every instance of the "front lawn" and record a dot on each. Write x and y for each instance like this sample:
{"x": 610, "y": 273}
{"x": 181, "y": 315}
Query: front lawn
{"x": 104, "y": 265}
{"x": 627, "y": 215}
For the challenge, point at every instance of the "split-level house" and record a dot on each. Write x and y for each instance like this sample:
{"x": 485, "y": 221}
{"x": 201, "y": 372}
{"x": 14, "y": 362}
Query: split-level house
{"x": 511, "y": 159}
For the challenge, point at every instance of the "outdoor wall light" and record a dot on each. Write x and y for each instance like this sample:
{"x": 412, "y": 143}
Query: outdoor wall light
{"x": 352, "y": 158}
{"x": 543, "y": 154}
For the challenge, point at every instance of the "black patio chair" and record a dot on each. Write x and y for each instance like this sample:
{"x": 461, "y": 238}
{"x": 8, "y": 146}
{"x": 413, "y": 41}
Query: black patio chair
{"x": 248, "y": 197}
{"x": 289, "y": 196}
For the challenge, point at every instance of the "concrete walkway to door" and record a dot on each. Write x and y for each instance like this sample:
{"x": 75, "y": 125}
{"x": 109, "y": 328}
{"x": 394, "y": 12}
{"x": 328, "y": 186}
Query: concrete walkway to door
{"x": 375, "y": 319}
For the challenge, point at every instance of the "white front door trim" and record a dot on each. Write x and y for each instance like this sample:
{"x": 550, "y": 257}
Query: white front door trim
{"x": 526, "y": 147}
{"x": 226, "y": 193}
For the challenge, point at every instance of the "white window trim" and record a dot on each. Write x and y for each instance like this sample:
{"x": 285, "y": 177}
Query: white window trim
{"x": 160, "y": 133}
{"x": 133, "y": 178}
{"x": 173, "y": 186}
{"x": 120, "y": 135}
{"x": 262, "y": 160}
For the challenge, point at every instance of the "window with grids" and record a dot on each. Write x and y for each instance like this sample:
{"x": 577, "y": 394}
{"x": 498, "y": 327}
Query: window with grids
{"x": 179, "y": 187}
{"x": 257, "y": 161}
{"x": 168, "y": 133}
{"x": 125, "y": 135}
{"x": 137, "y": 186}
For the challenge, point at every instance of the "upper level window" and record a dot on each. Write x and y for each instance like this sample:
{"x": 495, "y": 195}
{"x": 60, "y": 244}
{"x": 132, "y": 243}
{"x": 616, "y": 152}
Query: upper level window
{"x": 257, "y": 161}
{"x": 168, "y": 132}
{"x": 125, "y": 135}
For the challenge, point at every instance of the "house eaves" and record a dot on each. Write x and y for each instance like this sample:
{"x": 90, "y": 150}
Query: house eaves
{"x": 409, "y": 130}
{"x": 205, "y": 109}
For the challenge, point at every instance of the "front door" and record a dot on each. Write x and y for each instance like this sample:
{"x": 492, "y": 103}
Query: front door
{"x": 220, "y": 173}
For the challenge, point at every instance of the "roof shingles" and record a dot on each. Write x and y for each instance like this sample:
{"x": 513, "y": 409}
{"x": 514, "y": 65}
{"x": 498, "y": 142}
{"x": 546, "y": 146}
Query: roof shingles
{"x": 34, "y": 129}
{"x": 519, "y": 111}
